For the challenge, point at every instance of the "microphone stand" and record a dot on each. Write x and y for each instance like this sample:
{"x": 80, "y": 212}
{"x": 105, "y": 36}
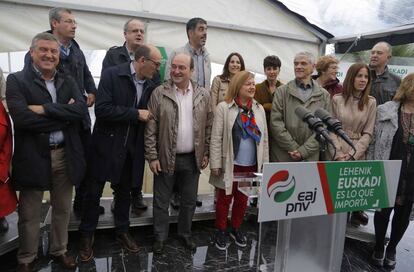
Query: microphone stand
{"x": 323, "y": 144}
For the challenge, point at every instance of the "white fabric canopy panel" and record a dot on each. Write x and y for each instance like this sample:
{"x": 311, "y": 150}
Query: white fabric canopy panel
{"x": 254, "y": 28}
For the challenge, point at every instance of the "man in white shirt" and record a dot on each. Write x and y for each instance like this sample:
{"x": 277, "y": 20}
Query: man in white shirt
{"x": 177, "y": 140}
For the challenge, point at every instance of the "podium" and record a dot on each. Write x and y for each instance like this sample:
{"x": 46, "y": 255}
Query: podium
{"x": 303, "y": 210}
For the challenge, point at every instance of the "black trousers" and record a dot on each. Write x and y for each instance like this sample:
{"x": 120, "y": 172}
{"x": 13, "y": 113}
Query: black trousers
{"x": 399, "y": 225}
{"x": 90, "y": 211}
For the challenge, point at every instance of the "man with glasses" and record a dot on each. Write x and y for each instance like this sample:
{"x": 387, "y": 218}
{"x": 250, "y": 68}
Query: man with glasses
{"x": 117, "y": 150}
{"x": 134, "y": 34}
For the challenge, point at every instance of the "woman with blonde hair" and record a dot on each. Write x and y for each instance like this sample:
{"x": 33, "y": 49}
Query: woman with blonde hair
{"x": 239, "y": 144}
{"x": 394, "y": 140}
{"x": 356, "y": 109}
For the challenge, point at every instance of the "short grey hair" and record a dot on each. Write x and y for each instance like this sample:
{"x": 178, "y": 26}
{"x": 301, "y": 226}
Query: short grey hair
{"x": 389, "y": 47}
{"x": 44, "y": 36}
{"x": 308, "y": 55}
{"x": 130, "y": 20}
{"x": 56, "y": 14}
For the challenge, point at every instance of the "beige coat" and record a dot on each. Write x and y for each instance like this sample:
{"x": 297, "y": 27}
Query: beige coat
{"x": 218, "y": 91}
{"x": 161, "y": 130}
{"x": 221, "y": 147}
{"x": 358, "y": 125}
{"x": 288, "y": 131}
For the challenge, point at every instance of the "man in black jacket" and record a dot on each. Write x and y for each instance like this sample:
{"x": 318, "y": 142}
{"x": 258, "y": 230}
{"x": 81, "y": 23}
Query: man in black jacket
{"x": 72, "y": 62}
{"x": 134, "y": 34}
{"x": 117, "y": 153}
{"x": 47, "y": 110}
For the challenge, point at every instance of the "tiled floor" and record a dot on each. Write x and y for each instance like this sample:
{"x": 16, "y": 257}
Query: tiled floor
{"x": 110, "y": 257}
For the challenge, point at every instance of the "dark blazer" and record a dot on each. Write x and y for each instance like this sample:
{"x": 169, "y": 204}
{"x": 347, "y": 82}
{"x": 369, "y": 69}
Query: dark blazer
{"x": 31, "y": 165}
{"x": 74, "y": 65}
{"x": 119, "y": 54}
{"x": 117, "y": 129}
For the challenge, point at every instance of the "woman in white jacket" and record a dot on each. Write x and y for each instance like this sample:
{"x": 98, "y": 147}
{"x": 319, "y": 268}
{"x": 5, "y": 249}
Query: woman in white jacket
{"x": 239, "y": 143}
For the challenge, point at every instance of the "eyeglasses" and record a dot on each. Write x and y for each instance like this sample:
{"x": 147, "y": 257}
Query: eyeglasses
{"x": 70, "y": 22}
{"x": 157, "y": 64}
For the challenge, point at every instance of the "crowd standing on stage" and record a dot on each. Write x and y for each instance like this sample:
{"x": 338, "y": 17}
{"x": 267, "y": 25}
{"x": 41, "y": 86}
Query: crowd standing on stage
{"x": 181, "y": 127}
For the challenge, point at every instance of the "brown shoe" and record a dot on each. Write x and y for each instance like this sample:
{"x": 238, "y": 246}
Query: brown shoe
{"x": 65, "y": 261}
{"x": 25, "y": 267}
{"x": 85, "y": 248}
{"x": 127, "y": 242}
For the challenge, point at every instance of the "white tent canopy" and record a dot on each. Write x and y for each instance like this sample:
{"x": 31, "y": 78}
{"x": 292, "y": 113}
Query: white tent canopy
{"x": 254, "y": 28}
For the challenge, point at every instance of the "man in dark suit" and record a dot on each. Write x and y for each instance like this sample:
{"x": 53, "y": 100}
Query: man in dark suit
{"x": 47, "y": 110}
{"x": 134, "y": 34}
{"x": 117, "y": 153}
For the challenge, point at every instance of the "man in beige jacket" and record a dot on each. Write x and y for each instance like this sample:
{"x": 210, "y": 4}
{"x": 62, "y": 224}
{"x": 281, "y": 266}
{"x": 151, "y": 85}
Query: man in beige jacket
{"x": 292, "y": 140}
{"x": 177, "y": 139}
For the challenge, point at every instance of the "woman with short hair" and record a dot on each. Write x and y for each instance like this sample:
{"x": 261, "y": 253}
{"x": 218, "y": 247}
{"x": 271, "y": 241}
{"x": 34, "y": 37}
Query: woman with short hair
{"x": 327, "y": 67}
{"x": 239, "y": 144}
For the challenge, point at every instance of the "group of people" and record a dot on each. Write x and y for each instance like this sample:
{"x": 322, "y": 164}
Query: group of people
{"x": 180, "y": 127}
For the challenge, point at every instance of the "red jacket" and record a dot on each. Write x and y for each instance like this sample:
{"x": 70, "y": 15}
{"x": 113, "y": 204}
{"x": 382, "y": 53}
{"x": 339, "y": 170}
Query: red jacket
{"x": 8, "y": 199}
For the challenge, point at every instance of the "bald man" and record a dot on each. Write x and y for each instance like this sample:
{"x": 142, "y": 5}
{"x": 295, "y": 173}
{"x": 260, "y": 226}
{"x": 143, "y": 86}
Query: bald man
{"x": 384, "y": 83}
{"x": 134, "y": 34}
{"x": 177, "y": 153}
{"x": 117, "y": 153}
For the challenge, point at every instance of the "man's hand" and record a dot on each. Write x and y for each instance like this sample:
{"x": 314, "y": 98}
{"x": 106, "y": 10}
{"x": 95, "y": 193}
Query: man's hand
{"x": 204, "y": 163}
{"x": 144, "y": 115}
{"x": 155, "y": 167}
{"x": 90, "y": 100}
{"x": 216, "y": 172}
{"x": 37, "y": 109}
{"x": 295, "y": 155}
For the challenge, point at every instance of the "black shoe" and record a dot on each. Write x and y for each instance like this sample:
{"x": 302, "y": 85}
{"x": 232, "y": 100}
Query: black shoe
{"x": 113, "y": 206}
{"x": 175, "y": 201}
{"x": 127, "y": 242}
{"x": 377, "y": 258}
{"x": 188, "y": 242}
{"x": 4, "y": 225}
{"x": 158, "y": 247}
{"x": 238, "y": 237}
{"x": 101, "y": 210}
{"x": 199, "y": 203}
{"x": 390, "y": 260}
{"x": 221, "y": 240}
{"x": 137, "y": 202}
{"x": 359, "y": 218}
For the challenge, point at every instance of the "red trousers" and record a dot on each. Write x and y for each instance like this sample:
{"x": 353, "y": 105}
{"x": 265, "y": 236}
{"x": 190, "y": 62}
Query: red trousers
{"x": 239, "y": 203}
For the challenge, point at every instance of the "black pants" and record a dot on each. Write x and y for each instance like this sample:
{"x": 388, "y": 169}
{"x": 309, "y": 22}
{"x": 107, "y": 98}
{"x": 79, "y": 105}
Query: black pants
{"x": 399, "y": 224}
{"x": 90, "y": 211}
{"x": 80, "y": 191}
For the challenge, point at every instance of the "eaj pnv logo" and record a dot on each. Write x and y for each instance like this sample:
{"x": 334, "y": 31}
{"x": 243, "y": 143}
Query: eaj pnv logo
{"x": 281, "y": 186}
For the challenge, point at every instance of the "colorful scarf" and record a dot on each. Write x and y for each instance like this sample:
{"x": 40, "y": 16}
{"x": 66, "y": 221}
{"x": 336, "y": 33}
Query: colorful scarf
{"x": 248, "y": 122}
